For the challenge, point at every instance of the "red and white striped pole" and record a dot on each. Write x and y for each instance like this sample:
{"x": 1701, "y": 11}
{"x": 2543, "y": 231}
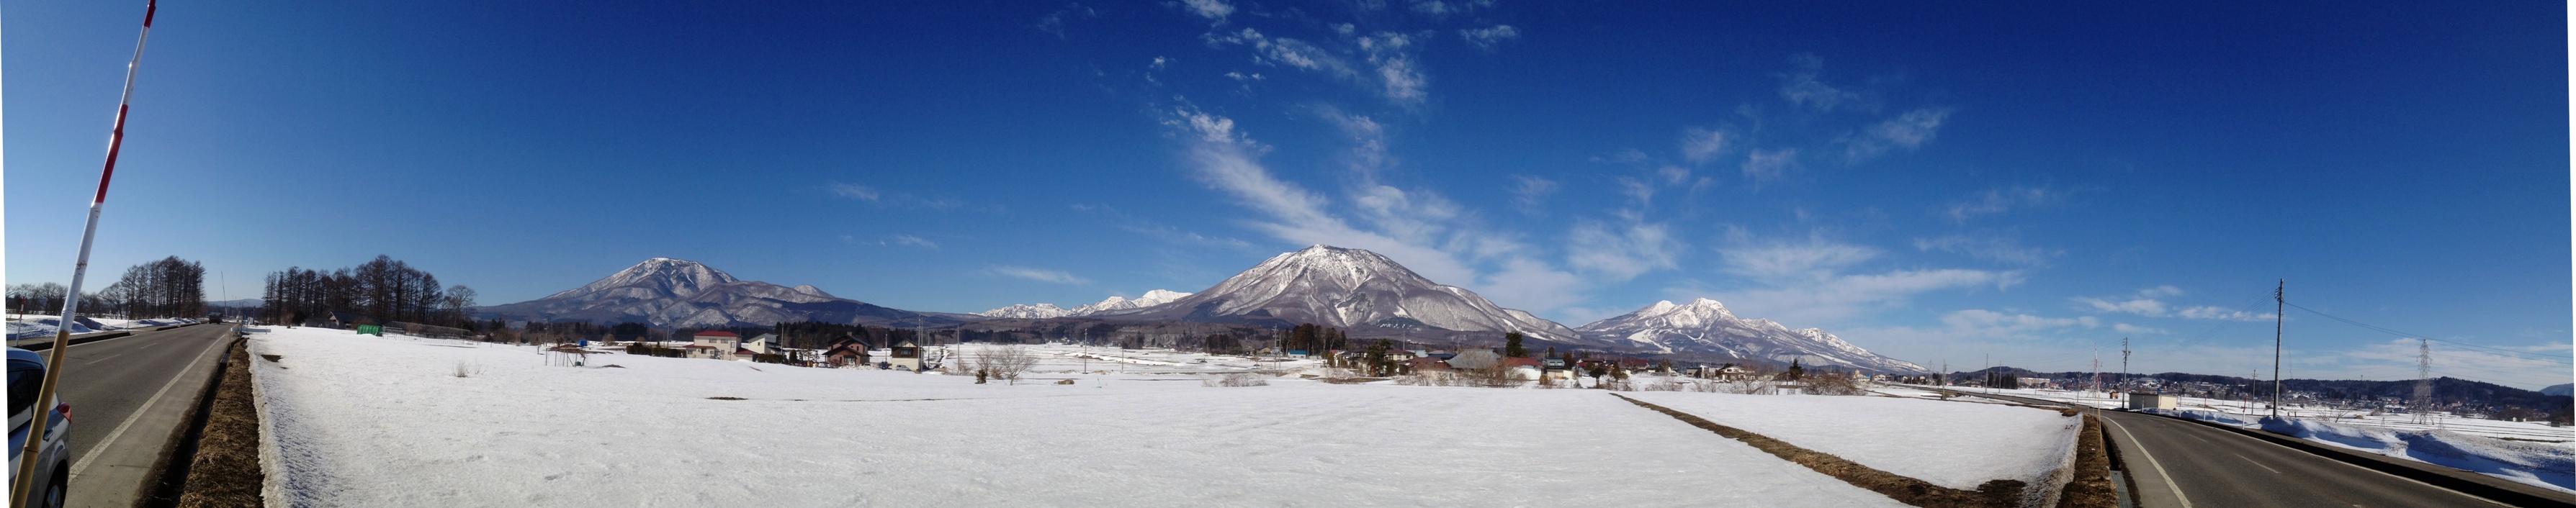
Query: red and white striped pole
{"x": 22, "y": 488}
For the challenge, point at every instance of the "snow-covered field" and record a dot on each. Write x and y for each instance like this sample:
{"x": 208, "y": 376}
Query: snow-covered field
{"x": 367, "y": 421}
{"x": 1951, "y": 444}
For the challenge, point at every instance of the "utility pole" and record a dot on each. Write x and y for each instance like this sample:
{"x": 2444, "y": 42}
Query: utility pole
{"x": 2279, "y": 305}
{"x": 2124, "y": 363}
{"x": 2097, "y": 368}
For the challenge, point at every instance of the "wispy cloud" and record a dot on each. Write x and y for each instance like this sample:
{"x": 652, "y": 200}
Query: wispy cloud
{"x": 1157, "y": 230}
{"x": 2147, "y": 302}
{"x": 1054, "y": 22}
{"x": 1700, "y": 144}
{"x": 2129, "y": 328}
{"x": 1999, "y": 200}
{"x": 1215, "y": 10}
{"x": 1489, "y": 38}
{"x": 1036, "y": 274}
{"x": 1803, "y": 87}
{"x": 1529, "y": 194}
{"x": 914, "y": 241}
{"x": 1991, "y": 248}
{"x": 881, "y": 198}
{"x": 1771, "y": 164}
{"x": 1404, "y": 83}
{"x": 1817, "y": 280}
{"x": 1622, "y": 251}
{"x": 1908, "y": 131}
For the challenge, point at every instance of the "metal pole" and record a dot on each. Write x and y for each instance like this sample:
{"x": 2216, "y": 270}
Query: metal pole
{"x": 22, "y": 491}
{"x": 2279, "y": 305}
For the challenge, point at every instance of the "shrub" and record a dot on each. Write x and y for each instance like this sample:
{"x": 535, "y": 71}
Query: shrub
{"x": 1235, "y": 379}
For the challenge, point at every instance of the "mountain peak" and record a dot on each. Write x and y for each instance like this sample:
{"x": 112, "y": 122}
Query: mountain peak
{"x": 1705, "y": 326}
{"x": 1347, "y": 288}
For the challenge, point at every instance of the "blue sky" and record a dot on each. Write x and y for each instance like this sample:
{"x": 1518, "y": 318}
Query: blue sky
{"x": 2028, "y": 181}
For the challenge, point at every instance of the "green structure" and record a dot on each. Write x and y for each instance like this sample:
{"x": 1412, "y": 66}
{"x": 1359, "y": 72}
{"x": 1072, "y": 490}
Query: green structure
{"x": 375, "y": 330}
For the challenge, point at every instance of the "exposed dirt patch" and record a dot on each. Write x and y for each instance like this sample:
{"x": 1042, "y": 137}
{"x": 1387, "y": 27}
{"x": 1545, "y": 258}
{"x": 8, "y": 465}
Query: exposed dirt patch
{"x": 725, "y": 398}
{"x": 1998, "y": 493}
{"x": 225, "y": 471}
{"x": 2092, "y": 486}
{"x": 271, "y": 358}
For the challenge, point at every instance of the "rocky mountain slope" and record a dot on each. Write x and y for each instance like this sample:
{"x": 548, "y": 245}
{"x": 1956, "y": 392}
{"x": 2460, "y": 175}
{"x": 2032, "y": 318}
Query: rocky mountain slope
{"x": 1114, "y": 303}
{"x": 676, "y": 293}
{"x": 1705, "y": 326}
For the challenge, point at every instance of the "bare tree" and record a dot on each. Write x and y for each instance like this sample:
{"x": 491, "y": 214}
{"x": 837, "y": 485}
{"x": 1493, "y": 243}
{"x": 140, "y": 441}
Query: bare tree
{"x": 1005, "y": 361}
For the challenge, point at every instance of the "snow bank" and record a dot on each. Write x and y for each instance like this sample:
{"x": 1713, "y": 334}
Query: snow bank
{"x": 2551, "y": 467}
{"x": 369, "y": 421}
{"x": 2206, "y": 416}
{"x": 1951, "y": 444}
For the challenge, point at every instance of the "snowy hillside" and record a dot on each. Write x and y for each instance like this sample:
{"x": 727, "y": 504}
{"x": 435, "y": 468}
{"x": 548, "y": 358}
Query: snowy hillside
{"x": 1705, "y": 326}
{"x": 1345, "y": 288}
{"x": 1114, "y": 303}
{"x": 674, "y": 293}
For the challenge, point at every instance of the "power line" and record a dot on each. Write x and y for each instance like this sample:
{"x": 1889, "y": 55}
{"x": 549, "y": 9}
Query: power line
{"x": 2423, "y": 337}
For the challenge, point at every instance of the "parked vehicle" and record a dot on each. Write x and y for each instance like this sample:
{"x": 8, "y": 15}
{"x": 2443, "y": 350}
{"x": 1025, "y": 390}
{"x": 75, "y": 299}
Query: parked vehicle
{"x": 26, "y": 377}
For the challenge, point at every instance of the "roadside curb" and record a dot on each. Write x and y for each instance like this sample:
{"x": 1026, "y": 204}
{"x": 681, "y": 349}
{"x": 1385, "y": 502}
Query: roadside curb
{"x": 44, "y": 344}
{"x": 2466, "y": 482}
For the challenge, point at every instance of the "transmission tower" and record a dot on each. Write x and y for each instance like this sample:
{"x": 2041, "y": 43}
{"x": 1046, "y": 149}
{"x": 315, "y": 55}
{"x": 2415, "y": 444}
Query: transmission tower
{"x": 2124, "y": 363}
{"x": 2423, "y": 402}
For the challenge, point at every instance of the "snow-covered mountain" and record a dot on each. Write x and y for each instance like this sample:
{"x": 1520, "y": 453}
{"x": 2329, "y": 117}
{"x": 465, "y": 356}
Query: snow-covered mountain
{"x": 677, "y": 293}
{"x": 1705, "y": 326}
{"x": 1351, "y": 289}
{"x": 2559, "y": 389}
{"x": 1114, "y": 303}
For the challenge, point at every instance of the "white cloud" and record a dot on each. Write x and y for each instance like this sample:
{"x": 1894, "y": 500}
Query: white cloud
{"x": 1286, "y": 51}
{"x": 2146, "y": 303}
{"x": 1210, "y": 9}
{"x": 1908, "y": 131}
{"x": 1529, "y": 194}
{"x": 1621, "y": 252}
{"x": 1035, "y": 274}
{"x": 1427, "y": 233}
{"x": 914, "y": 241}
{"x": 1489, "y": 38}
{"x": 1999, "y": 200}
{"x": 1444, "y": 8}
{"x": 1768, "y": 165}
{"x": 1801, "y": 87}
{"x": 2128, "y": 328}
{"x": 1812, "y": 281}
{"x": 899, "y": 200}
{"x": 1700, "y": 145}
{"x": 1991, "y": 248}
{"x": 1403, "y": 82}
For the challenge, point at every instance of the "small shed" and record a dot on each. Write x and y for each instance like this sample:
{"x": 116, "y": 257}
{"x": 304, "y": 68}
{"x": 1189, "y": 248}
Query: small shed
{"x": 2150, "y": 401}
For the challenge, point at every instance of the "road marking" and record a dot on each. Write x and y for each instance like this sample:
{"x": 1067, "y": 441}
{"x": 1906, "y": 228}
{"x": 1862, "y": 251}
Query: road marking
{"x": 2354, "y": 466}
{"x": 2151, "y": 461}
{"x": 2258, "y": 464}
{"x": 104, "y": 358}
{"x": 92, "y": 454}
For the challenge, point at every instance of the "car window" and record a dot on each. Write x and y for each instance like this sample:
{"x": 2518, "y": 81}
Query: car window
{"x": 25, "y": 378}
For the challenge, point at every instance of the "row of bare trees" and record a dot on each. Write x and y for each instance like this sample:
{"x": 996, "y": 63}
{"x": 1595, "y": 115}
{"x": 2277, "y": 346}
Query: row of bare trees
{"x": 385, "y": 289}
{"x": 169, "y": 287}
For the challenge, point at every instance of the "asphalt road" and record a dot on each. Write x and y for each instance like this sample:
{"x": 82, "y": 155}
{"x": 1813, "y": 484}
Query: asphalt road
{"x": 129, "y": 395}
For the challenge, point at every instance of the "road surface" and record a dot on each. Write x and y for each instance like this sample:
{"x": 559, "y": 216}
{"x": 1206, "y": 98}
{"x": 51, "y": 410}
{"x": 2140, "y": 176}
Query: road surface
{"x": 129, "y": 396}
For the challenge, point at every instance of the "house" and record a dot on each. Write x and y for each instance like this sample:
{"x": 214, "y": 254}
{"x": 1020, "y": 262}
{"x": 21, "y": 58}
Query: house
{"x": 1426, "y": 364}
{"x": 1475, "y": 359}
{"x": 765, "y": 344}
{"x": 719, "y": 345}
{"x": 846, "y": 352}
{"x": 1401, "y": 355}
{"x": 905, "y": 356}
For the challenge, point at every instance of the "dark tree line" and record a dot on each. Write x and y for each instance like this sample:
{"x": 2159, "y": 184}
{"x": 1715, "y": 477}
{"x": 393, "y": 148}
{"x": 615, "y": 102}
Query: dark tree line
{"x": 384, "y": 290}
{"x": 171, "y": 287}
{"x": 1313, "y": 338}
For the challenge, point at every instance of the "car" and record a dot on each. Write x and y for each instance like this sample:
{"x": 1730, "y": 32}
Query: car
{"x": 26, "y": 377}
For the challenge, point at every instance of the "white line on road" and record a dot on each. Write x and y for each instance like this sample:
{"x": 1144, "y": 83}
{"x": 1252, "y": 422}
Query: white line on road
{"x": 92, "y": 454}
{"x": 2258, "y": 464}
{"x": 2151, "y": 460}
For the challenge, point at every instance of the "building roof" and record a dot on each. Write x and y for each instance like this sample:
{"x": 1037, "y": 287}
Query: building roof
{"x": 696, "y": 346}
{"x": 714, "y": 334}
{"x": 1521, "y": 362}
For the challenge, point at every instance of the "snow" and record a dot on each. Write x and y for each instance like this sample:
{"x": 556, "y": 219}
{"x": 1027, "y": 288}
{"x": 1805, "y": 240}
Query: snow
{"x": 38, "y": 326}
{"x": 369, "y": 421}
{"x": 1951, "y": 444}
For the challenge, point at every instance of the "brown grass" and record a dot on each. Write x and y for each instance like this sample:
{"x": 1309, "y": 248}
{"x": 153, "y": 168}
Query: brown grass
{"x": 2092, "y": 486}
{"x": 225, "y": 471}
{"x": 1998, "y": 493}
